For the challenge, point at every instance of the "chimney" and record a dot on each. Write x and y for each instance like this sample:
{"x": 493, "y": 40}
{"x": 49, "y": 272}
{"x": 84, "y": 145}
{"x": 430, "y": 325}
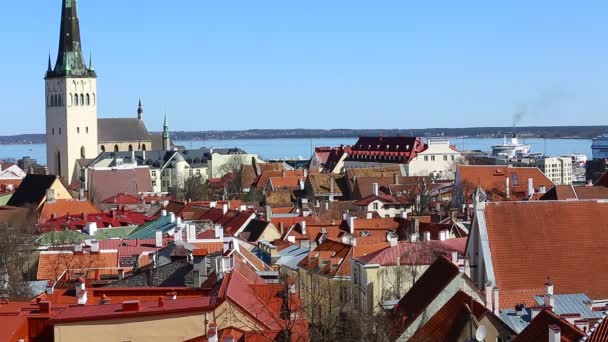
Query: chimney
{"x": 191, "y": 231}
{"x": 94, "y": 246}
{"x": 91, "y": 228}
{"x": 555, "y": 333}
{"x": 281, "y": 228}
{"x": 268, "y": 213}
{"x": 416, "y": 224}
{"x": 413, "y": 237}
{"x": 104, "y": 299}
{"x": 455, "y": 257}
{"x": 121, "y": 273}
{"x": 212, "y": 204}
{"x": 489, "y": 295}
{"x": 549, "y": 286}
{"x": 212, "y": 332}
{"x": 331, "y": 185}
{"x": 163, "y": 212}
{"x": 44, "y": 307}
{"x": 172, "y": 295}
{"x": 496, "y": 301}
{"x": 50, "y": 288}
{"x": 396, "y": 179}
{"x": 467, "y": 267}
{"x": 303, "y": 227}
{"x": 172, "y": 217}
{"x": 158, "y": 234}
{"x": 375, "y": 189}
{"x": 219, "y": 231}
{"x": 143, "y": 155}
{"x": 542, "y": 189}
{"x": 130, "y": 306}
{"x": 350, "y": 220}
{"x": 392, "y": 238}
{"x": 78, "y": 247}
{"x": 224, "y": 208}
{"x": 549, "y": 300}
{"x": 178, "y": 220}
{"x": 426, "y": 236}
{"x": 50, "y": 196}
{"x": 81, "y": 291}
{"x": 507, "y": 187}
{"x": 530, "y": 187}
{"x": 242, "y": 208}
{"x": 81, "y": 195}
{"x": 177, "y": 234}
{"x": 443, "y": 235}
{"x": 305, "y": 173}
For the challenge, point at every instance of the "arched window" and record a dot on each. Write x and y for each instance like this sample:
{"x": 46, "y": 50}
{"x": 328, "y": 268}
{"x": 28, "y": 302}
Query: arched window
{"x": 53, "y": 131}
{"x": 130, "y": 148}
{"x": 88, "y": 100}
{"x": 143, "y": 147}
{"x": 76, "y": 100}
{"x": 87, "y": 130}
{"x": 78, "y": 130}
{"x": 60, "y": 100}
{"x": 103, "y": 148}
{"x": 82, "y": 99}
{"x": 48, "y": 101}
{"x": 82, "y": 152}
{"x": 115, "y": 148}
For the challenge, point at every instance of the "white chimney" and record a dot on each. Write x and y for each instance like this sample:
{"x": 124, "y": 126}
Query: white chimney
{"x": 549, "y": 286}
{"x": 243, "y": 207}
{"x": 443, "y": 235}
{"x": 77, "y": 247}
{"x": 143, "y": 155}
{"x": 303, "y": 227}
{"x": 455, "y": 257}
{"x": 555, "y": 333}
{"x": 94, "y": 246}
{"x": 219, "y": 231}
{"x": 224, "y": 208}
{"x": 163, "y": 212}
{"x": 496, "y": 301}
{"x": 426, "y": 236}
{"x": 191, "y": 231}
{"x": 178, "y": 220}
{"x": 530, "y": 187}
{"x": 81, "y": 291}
{"x": 489, "y": 295}
{"x": 549, "y": 300}
{"x": 159, "y": 238}
{"x": 91, "y": 228}
{"x": 542, "y": 189}
{"x": 392, "y": 238}
{"x": 177, "y": 234}
{"x": 467, "y": 267}
{"x": 375, "y": 189}
{"x": 172, "y": 217}
{"x": 507, "y": 187}
{"x": 350, "y": 220}
{"x": 212, "y": 204}
{"x": 413, "y": 237}
{"x": 212, "y": 333}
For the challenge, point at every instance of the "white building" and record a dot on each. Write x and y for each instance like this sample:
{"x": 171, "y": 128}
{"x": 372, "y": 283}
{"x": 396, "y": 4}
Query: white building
{"x": 438, "y": 160}
{"x": 557, "y": 169}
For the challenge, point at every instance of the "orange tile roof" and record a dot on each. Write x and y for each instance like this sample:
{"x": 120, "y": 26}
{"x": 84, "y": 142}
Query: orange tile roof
{"x": 287, "y": 182}
{"x": 63, "y": 207}
{"x": 530, "y": 241}
{"x": 318, "y": 259}
{"x": 53, "y": 263}
{"x": 266, "y": 175}
{"x": 211, "y": 247}
{"x": 492, "y": 180}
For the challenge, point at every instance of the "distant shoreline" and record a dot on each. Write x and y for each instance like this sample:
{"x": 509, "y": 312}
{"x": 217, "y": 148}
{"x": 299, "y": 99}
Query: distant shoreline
{"x": 549, "y": 132}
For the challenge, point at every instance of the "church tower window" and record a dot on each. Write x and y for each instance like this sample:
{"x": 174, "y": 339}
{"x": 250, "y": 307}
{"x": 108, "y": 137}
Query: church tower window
{"x": 78, "y": 130}
{"x": 103, "y": 148}
{"x": 130, "y": 148}
{"x": 82, "y": 99}
{"x": 115, "y": 148}
{"x": 88, "y": 100}
{"x": 76, "y": 100}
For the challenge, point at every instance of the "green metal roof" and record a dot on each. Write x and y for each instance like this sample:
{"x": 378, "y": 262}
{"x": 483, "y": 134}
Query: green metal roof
{"x": 113, "y": 233}
{"x": 61, "y": 237}
{"x": 148, "y": 229}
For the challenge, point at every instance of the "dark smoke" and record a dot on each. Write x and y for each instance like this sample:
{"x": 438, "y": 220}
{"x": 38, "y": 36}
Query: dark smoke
{"x": 543, "y": 102}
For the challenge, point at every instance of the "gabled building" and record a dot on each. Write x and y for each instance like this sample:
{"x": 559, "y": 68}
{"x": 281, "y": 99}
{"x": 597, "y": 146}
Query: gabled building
{"x": 35, "y": 190}
{"x": 575, "y": 192}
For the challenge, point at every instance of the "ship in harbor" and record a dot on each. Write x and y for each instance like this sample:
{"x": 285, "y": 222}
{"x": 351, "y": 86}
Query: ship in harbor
{"x": 599, "y": 147}
{"x": 510, "y": 149}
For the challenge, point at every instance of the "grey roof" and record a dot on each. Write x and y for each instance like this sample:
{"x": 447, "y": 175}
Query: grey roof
{"x": 564, "y": 304}
{"x": 291, "y": 256}
{"x": 153, "y": 159}
{"x": 121, "y": 129}
{"x": 176, "y": 273}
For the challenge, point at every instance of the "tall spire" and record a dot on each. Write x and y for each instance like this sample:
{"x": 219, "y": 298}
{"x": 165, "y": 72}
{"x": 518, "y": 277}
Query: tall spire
{"x": 140, "y": 110}
{"x": 70, "y": 61}
{"x": 48, "y": 68}
{"x": 166, "y": 136}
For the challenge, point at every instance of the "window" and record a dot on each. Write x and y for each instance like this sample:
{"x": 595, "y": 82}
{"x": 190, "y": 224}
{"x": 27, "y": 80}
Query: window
{"x": 343, "y": 294}
{"x": 130, "y": 148}
{"x": 53, "y": 131}
{"x": 103, "y": 148}
{"x": 87, "y": 130}
{"x": 198, "y": 172}
{"x": 76, "y": 100}
{"x": 432, "y": 158}
{"x": 88, "y": 100}
{"x": 153, "y": 173}
{"x": 143, "y": 147}
{"x": 445, "y": 157}
{"x": 115, "y": 148}
{"x": 82, "y": 99}
{"x": 78, "y": 130}
{"x": 59, "y": 130}
{"x": 356, "y": 275}
{"x": 71, "y": 99}
{"x": 59, "y": 163}
{"x": 514, "y": 179}
{"x": 453, "y": 157}
{"x": 375, "y": 205}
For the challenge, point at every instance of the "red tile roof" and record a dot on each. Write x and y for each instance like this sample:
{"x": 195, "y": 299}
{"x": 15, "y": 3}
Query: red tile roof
{"x": 318, "y": 260}
{"x": 448, "y": 323}
{"x": 599, "y": 332}
{"x": 492, "y": 180}
{"x": 106, "y": 183}
{"x": 386, "y": 149}
{"x": 530, "y": 241}
{"x": 411, "y": 253}
{"x": 538, "y": 329}
{"x": 287, "y": 182}
{"x": 369, "y": 199}
{"x": 569, "y": 192}
{"x": 113, "y": 218}
{"x": 53, "y": 263}
{"x": 266, "y": 175}
{"x": 122, "y": 199}
{"x": 232, "y": 221}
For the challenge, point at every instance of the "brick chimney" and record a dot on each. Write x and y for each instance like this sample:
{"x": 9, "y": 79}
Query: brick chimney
{"x": 507, "y": 187}
{"x": 212, "y": 332}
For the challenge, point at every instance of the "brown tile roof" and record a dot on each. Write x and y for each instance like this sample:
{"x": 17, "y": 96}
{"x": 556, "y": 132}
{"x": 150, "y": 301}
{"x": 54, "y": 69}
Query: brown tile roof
{"x": 448, "y": 322}
{"x": 491, "y": 178}
{"x": 320, "y": 184}
{"x": 538, "y": 329}
{"x": 280, "y": 198}
{"x": 591, "y": 192}
{"x": 409, "y": 253}
{"x": 410, "y": 185}
{"x": 266, "y": 175}
{"x": 63, "y": 207}
{"x": 318, "y": 260}
{"x": 106, "y": 183}
{"x": 432, "y": 282}
{"x": 581, "y": 192}
{"x": 287, "y": 182}
{"x": 532, "y": 240}
{"x": 248, "y": 176}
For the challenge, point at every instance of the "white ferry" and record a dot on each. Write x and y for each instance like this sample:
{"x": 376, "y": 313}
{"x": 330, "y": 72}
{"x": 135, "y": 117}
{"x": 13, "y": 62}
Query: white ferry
{"x": 510, "y": 149}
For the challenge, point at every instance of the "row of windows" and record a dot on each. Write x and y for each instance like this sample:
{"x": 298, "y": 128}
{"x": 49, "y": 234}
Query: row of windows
{"x": 116, "y": 149}
{"x": 445, "y": 157}
{"x": 86, "y": 129}
{"x": 56, "y": 100}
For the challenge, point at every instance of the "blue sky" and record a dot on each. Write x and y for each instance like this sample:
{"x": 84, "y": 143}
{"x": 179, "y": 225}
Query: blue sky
{"x": 319, "y": 64}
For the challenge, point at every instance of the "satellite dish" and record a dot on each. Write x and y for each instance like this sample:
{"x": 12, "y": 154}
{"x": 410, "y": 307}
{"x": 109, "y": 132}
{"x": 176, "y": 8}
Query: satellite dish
{"x": 480, "y": 333}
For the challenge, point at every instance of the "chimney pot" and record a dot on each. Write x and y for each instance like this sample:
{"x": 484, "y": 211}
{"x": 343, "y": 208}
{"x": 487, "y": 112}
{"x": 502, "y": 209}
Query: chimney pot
{"x": 375, "y": 190}
{"x": 44, "y": 307}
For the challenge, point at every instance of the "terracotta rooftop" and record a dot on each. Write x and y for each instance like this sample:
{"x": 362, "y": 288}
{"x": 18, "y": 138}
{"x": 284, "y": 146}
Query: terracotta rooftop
{"x": 122, "y": 199}
{"x": 411, "y": 253}
{"x": 538, "y": 329}
{"x": 52, "y": 264}
{"x": 570, "y": 192}
{"x": 533, "y": 240}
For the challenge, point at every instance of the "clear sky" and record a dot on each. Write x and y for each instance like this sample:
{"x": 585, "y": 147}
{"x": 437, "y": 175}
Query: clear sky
{"x": 238, "y": 64}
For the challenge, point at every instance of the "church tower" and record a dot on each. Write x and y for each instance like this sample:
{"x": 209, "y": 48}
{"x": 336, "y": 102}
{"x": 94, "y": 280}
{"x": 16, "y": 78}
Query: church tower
{"x": 166, "y": 136}
{"x": 71, "y": 101}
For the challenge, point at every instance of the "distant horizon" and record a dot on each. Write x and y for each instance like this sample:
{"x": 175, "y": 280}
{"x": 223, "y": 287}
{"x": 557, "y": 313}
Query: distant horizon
{"x": 354, "y": 64}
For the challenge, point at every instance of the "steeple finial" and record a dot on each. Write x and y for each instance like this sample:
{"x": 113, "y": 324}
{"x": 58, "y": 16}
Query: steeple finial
{"x": 91, "y": 67}
{"x": 49, "y": 68}
{"x": 140, "y": 110}
{"x": 166, "y": 136}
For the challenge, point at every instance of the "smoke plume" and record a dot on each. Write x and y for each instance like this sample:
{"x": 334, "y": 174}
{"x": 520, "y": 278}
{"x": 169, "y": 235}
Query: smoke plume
{"x": 536, "y": 105}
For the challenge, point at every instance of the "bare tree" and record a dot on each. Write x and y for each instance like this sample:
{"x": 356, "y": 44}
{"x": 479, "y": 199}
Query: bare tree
{"x": 418, "y": 192}
{"x": 193, "y": 188}
{"x": 232, "y": 172}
